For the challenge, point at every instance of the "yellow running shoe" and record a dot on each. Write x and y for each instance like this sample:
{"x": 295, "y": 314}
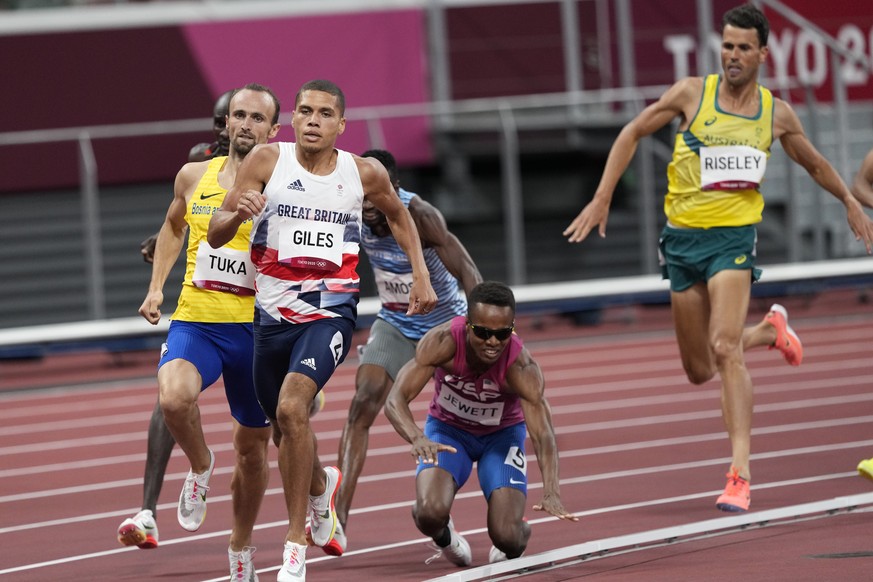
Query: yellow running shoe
{"x": 865, "y": 468}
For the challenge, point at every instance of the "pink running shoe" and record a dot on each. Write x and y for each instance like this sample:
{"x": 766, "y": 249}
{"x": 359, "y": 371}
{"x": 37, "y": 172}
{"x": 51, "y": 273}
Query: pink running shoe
{"x": 736, "y": 496}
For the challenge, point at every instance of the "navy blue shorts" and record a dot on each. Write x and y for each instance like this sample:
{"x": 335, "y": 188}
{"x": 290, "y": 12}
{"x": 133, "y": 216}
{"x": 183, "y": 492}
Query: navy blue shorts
{"x": 219, "y": 349}
{"x": 500, "y": 457}
{"x": 313, "y": 349}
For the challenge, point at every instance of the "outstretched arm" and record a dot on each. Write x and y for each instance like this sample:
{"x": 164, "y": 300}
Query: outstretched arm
{"x": 525, "y": 378}
{"x": 435, "y": 234}
{"x": 436, "y": 348}
{"x": 678, "y": 100}
{"x": 788, "y": 128}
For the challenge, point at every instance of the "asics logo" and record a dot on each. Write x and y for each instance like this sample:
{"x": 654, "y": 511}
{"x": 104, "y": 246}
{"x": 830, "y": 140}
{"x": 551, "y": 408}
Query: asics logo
{"x": 297, "y": 185}
{"x": 709, "y": 122}
{"x": 740, "y": 260}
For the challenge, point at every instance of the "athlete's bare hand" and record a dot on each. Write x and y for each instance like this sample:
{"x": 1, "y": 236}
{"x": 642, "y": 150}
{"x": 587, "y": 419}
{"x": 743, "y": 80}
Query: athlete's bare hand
{"x": 422, "y": 298}
{"x": 251, "y": 203}
{"x": 151, "y": 307}
{"x": 426, "y": 450}
{"x": 595, "y": 213}
{"x": 552, "y": 504}
{"x": 861, "y": 225}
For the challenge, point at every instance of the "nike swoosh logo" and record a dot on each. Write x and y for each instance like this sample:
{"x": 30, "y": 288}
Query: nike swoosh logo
{"x": 514, "y": 482}
{"x": 205, "y": 196}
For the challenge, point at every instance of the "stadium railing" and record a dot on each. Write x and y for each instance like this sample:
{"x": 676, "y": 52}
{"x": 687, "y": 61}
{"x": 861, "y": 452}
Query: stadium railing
{"x": 565, "y": 297}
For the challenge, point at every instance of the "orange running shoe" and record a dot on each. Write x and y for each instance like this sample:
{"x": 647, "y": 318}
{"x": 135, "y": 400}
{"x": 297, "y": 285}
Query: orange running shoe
{"x": 787, "y": 341}
{"x": 736, "y": 496}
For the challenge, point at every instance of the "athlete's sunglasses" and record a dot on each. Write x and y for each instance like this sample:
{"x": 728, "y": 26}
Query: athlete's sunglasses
{"x": 484, "y": 333}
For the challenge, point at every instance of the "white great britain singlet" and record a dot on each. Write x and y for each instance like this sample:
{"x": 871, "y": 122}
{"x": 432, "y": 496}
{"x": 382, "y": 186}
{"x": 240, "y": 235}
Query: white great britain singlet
{"x": 305, "y": 244}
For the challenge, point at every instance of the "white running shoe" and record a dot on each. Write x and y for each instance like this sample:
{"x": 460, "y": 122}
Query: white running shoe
{"x": 192, "y": 501}
{"x": 496, "y": 555}
{"x": 241, "y": 567}
{"x": 457, "y": 552}
{"x": 293, "y": 563}
{"x": 141, "y": 531}
{"x": 322, "y": 513}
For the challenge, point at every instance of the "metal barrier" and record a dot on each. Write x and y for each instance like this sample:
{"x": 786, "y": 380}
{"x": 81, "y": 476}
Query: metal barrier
{"x": 541, "y": 298}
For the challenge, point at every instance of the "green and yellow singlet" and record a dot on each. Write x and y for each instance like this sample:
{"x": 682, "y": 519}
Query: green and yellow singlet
{"x": 718, "y": 164}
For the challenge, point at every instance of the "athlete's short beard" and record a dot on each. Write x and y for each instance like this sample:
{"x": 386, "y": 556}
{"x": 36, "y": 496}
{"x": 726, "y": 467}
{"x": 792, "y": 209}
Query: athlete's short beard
{"x": 243, "y": 149}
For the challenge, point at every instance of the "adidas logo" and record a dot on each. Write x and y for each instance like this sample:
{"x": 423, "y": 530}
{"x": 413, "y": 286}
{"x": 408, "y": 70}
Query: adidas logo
{"x": 309, "y": 362}
{"x": 296, "y": 185}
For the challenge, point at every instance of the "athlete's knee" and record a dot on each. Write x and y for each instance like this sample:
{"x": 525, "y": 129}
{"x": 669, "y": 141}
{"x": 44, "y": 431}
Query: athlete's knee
{"x": 251, "y": 457}
{"x": 430, "y": 514}
{"x": 511, "y": 542}
{"x": 699, "y": 374}
{"x": 176, "y": 402}
{"x": 289, "y": 416}
{"x": 292, "y": 415}
{"x": 252, "y": 441}
{"x": 699, "y": 368}
{"x": 727, "y": 350}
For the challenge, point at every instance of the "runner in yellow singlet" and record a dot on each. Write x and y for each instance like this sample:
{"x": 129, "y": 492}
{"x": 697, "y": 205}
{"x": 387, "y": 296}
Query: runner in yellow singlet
{"x": 141, "y": 530}
{"x": 727, "y": 123}
{"x": 210, "y": 333}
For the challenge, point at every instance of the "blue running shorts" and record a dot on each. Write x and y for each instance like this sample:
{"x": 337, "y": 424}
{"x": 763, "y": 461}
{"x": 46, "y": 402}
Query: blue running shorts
{"x": 219, "y": 349}
{"x": 500, "y": 457}
{"x": 313, "y": 349}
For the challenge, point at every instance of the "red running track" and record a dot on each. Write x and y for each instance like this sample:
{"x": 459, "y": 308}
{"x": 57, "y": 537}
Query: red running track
{"x": 641, "y": 449}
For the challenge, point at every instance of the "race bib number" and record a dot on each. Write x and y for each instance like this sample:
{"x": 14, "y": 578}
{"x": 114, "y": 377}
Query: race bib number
{"x": 393, "y": 289}
{"x": 223, "y": 269}
{"x": 478, "y": 412}
{"x": 308, "y": 244}
{"x": 731, "y": 167}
